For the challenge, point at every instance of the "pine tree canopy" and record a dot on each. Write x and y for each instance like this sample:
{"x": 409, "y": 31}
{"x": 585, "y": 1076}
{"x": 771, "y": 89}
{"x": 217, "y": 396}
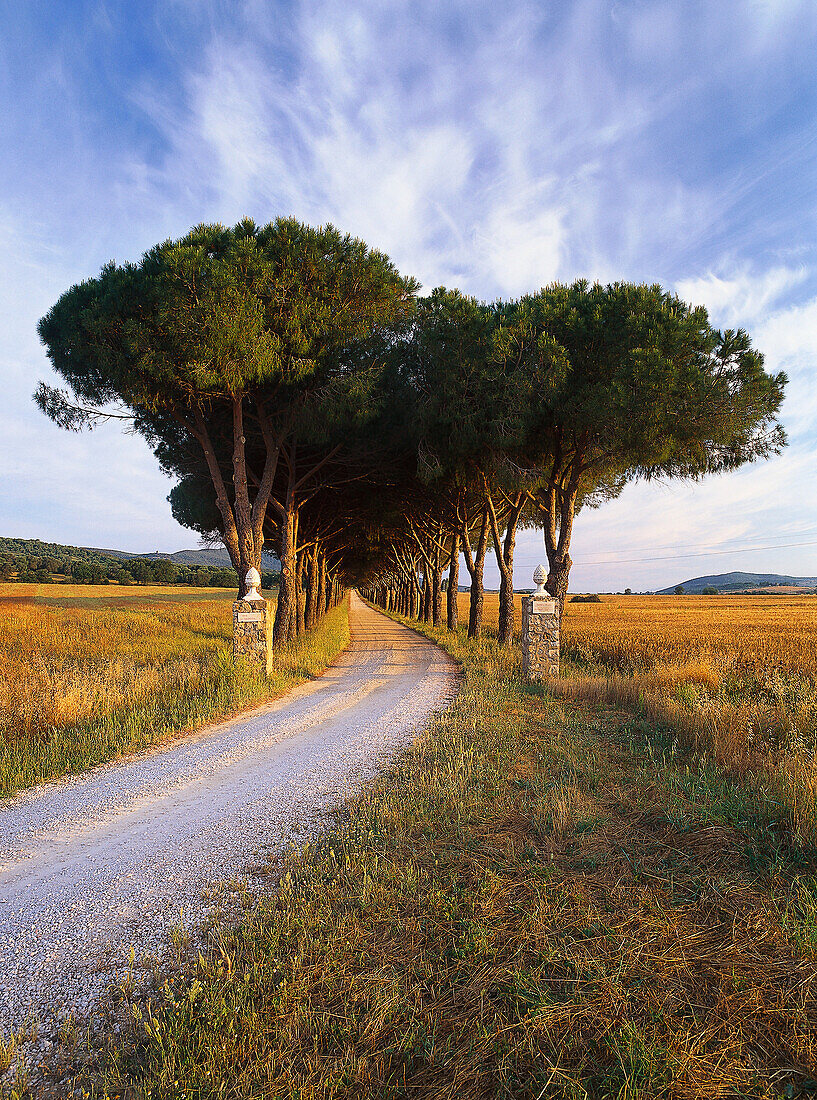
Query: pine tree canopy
{"x": 302, "y": 396}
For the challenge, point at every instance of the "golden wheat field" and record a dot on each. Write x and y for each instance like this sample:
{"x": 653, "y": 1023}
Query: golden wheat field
{"x": 712, "y": 641}
{"x": 88, "y": 672}
{"x": 640, "y": 632}
{"x": 736, "y": 674}
{"x": 68, "y": 653}
{"x": 705, "y": 637}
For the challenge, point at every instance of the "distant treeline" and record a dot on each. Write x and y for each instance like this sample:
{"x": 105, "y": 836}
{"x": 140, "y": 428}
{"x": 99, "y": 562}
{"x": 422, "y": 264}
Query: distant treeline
{"x": 36, "y": 548}
{"x": 57, "y": 564}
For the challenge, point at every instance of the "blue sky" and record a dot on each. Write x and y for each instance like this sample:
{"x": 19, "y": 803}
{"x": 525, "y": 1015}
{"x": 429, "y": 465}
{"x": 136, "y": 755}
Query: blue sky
{"x": 493, "y": 147}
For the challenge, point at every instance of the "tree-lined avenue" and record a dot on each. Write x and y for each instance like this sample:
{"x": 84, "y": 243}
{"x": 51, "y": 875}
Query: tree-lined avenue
{"x": 305, "y": 398}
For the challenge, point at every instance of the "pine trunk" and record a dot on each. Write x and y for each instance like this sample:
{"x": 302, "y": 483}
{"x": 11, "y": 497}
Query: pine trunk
{"x": 286, "y": 611}
{"x": 558, "y": 577}
{"x": 453, "y": 584}
{"x": 476, "y": 568}
{"x": 505, "y": 562}
{"x": 321, "y": 597}
{"x": 437, "y": 591}
{"x": 475, "y": 605}
{"x": 300, "y": 619}
{"x": 506, "y": 616}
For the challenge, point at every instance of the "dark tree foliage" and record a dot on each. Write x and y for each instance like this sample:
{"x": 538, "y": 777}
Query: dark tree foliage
{"x": 630, "y": 382}
{"x": 470, "y": 427}
{"x": 225, "y": 339}
{"x": 306, "y": 401}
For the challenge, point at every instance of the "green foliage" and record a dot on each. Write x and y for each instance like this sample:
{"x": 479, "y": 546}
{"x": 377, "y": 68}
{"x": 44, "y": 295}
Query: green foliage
{"x": 83, "y": 565}
{"x": 640, "y": 381}
{"x": 224, "y": 578}
{"x": 140, "y": 570}
{"x": 463, "y": 408}
{"x": 620, "y": 382}
{"x": 164, "y": 572}
{"x": 262, "y": 311}
{"x": 229, "y": 349}
{"x": 273, "y": 366}
{"x": 83, "y": 572}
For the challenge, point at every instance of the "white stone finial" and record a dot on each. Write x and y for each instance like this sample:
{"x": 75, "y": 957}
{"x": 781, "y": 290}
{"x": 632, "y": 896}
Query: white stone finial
{"x": 252, "y": 581}
{"x": 539, "y": 578}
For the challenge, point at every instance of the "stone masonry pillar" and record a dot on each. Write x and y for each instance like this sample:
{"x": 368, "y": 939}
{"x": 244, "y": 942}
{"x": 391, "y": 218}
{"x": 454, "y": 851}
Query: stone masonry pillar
{"x": 540, "y": 631}
{"x": 252, "y": 625}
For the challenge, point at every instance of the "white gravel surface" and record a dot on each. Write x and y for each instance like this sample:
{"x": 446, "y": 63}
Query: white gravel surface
{"x": 98, "y": 866}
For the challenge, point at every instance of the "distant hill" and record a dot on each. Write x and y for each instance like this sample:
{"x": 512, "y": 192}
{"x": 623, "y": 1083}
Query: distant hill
{"x": 213, "y": 557}
{"x": 738, "y": 582}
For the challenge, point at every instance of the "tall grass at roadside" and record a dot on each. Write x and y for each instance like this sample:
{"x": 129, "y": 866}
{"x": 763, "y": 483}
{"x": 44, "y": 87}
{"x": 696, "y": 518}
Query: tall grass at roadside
{"x": 86, "y": 676}
{"x": 541, "y": 900}
{"x": 735, "y": 675}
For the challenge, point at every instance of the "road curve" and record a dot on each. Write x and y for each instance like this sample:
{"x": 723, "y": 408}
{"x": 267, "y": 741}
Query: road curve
{"x": 99, "y": 865}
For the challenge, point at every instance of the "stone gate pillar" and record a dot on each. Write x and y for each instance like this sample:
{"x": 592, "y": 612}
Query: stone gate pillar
{"x": 540, "y": 631}
{"x": 252, "y": 625}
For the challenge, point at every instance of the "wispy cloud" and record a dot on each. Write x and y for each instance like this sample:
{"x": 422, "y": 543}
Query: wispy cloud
{"x": 486, "y": 153}
{"x": 491, "y": 147}
{"x": 741, "y": 298}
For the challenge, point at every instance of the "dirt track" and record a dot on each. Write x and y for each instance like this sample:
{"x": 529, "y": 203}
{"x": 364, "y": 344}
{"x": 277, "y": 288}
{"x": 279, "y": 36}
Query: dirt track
{"x": 98, "y": 865}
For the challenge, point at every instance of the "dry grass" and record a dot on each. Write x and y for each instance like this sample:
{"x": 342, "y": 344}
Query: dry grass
{"x": 723, "y": 635}
{"x": 737, "y": 675}
{"x": 542, "y": 900}
{"x": 745, "y": 637}
{"x": 88, "y": 673}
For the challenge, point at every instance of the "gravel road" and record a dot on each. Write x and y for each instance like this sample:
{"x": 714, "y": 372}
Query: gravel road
{"x": 103, "y": 864}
